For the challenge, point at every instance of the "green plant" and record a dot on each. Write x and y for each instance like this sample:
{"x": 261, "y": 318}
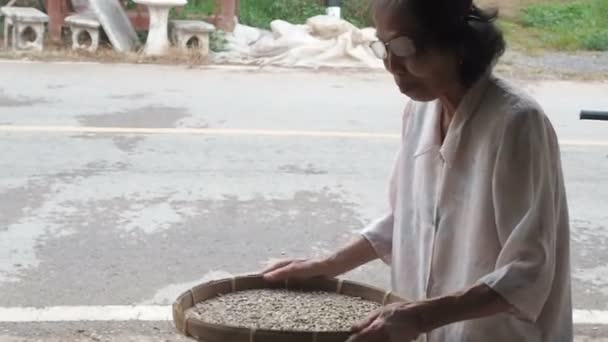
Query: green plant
{"x": 520, "y": 37}
{"x": 199, "y": 8}
{"x": 260, "y": 13}
{"x": 217, "y": 41}
{"x": 130, "y": 4}
{"x": 142, "y": 35}
{"x": 552, "y": 15}
{"x": 27, "y": 3}
{"x": 358, "y": 12}
{"x": 597, "y": 41}
{"x": 581, "y": 24}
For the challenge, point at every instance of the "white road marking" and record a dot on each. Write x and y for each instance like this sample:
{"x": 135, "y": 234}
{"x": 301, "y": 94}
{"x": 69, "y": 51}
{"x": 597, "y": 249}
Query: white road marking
{"x": 86, "y": 313}
{"x": 568, "y": 142}
{"x": 193, "y": 131}
{"x": 590, "y": 317}
{"x": 233, "y": 132}
{"x": 163, "y": 313}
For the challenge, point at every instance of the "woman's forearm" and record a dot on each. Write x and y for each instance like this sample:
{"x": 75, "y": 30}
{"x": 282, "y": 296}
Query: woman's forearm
{"x": 476, "y": 302}
{"x": 353, "y": 255}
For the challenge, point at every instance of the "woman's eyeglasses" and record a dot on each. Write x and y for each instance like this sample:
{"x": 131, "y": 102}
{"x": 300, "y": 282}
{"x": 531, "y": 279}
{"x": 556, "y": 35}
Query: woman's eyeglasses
{"x": 400, "y": 47}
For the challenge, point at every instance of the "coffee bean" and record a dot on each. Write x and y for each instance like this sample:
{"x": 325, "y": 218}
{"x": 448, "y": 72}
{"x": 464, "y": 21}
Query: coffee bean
{"x": 285, "y": 310}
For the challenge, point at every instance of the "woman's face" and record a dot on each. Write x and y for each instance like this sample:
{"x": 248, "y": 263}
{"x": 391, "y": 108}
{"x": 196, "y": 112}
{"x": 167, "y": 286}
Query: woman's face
{"x": 423, "y": 75}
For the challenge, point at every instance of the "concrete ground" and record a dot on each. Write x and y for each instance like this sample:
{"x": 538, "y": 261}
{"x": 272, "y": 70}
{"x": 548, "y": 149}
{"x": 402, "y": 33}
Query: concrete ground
{"x": 125, "y": 185}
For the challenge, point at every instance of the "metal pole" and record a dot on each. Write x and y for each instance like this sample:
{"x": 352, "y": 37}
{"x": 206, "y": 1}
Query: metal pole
{"x": 594, "y": 115}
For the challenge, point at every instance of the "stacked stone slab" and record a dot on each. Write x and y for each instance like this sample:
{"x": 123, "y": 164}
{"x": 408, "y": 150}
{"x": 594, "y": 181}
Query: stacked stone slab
{"x": 191, "y": 34}
{"x": 24, "y": 28}
{"x": 85, "y": 31}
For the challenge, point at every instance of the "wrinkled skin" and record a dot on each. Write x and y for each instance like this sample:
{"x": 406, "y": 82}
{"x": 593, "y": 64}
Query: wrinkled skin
{"x": 432, "y": 73}
{"x": 399, "y": 322}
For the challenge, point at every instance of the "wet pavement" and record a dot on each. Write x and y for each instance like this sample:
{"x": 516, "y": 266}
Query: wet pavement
{"x": 113, "y": 216}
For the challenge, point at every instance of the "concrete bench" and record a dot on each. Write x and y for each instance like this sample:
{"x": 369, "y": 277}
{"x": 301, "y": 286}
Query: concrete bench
{"x": 191, "y": 34}
{"x": 85, "y": 31}
{"x": 24, "y": 28}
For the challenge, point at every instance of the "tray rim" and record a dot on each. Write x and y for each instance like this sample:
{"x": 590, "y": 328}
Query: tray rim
{"x": 196, "y": 328}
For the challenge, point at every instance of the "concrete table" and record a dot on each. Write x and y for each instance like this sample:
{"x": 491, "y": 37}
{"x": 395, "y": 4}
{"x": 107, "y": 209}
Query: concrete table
{"x": 158, "y": 38}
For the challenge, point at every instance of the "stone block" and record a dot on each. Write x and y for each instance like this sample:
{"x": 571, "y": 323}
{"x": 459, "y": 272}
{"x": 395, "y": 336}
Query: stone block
{"x": 24, "y": 28}
{"x": 191, "y": 34}
{"x": 85, "y": 31}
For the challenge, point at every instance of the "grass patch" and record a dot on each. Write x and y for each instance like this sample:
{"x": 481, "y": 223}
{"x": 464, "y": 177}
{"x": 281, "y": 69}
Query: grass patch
{"x": 529, "y": 25}
{"x": 259, "y": 13}
{"x": 195, "y": 9}
{"x": 358, "y": 12}
{"x": 522, "y": 38}
{"x": 577, "y": 25}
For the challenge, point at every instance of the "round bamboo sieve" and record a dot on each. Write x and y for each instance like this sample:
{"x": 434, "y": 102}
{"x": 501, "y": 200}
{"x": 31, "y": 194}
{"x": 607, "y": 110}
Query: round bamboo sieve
{"x": 208, "y": 332}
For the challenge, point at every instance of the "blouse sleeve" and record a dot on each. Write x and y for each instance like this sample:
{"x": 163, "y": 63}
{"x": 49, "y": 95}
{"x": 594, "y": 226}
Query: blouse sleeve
{"x": 526, "y": 195}
{"x": 379, "y": 233}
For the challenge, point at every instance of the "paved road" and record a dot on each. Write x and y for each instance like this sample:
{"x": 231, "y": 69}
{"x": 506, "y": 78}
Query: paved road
{"x": 125, "y": 185}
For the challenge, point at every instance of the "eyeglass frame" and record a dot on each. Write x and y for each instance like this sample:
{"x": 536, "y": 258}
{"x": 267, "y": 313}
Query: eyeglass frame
{"x": 387, "y": 48}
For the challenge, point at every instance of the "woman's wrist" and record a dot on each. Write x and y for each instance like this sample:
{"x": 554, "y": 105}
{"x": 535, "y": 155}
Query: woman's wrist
{"x": 331, "y": 267}
{"x": 353, "y": 255}
{"x": 476, "y": 302}
{"x": 437, "y": 312}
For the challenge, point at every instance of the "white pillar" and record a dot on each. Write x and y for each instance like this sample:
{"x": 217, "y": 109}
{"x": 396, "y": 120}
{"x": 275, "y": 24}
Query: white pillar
{"x": 158, "y": 37}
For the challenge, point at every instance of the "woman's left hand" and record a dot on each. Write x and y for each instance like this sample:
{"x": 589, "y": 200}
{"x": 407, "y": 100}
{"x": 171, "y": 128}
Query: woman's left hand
{"x": 394, "y": 322}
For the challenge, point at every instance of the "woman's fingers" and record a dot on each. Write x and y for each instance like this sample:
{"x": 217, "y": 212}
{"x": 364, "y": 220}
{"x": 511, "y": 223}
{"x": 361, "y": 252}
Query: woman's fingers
{"x": 359, "y": 326}
{"x": 280, "y": 273}
{"x": 277, "y": 265}
{"x": 372, "y": 333}
{"x": 296, "y": 269}
{"x": 292, "y": 270}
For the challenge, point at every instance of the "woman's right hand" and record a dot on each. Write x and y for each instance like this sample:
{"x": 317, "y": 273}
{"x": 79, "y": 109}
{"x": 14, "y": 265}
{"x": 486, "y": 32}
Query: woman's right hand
{"x": 353, "y": 255}
{"x": 297, "y": 269}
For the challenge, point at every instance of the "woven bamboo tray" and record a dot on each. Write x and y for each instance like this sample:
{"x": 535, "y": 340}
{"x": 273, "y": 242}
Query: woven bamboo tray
{"x": 208, "y": 332}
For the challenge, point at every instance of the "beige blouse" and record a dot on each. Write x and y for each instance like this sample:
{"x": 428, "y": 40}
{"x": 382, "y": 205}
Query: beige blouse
{"x": 486, "y": 206}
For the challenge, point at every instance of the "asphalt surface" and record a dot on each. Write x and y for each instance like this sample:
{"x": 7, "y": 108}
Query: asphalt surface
{"x": 117, "y": 217}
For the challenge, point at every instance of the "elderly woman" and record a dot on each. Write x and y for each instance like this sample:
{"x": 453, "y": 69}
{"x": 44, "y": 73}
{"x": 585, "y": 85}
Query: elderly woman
{"x": 478, "y": 235}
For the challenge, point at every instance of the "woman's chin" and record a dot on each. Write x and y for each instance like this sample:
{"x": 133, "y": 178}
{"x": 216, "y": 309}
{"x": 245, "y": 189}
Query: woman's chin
{"x": 417, "y": 94}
